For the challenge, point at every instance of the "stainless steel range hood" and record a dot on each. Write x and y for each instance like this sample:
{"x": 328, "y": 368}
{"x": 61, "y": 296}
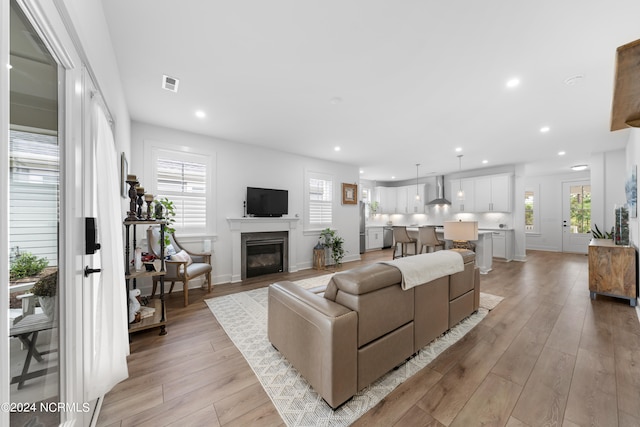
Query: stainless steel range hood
{"x": 440, "y": 200}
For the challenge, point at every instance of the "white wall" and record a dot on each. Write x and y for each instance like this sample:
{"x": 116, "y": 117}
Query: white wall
{"x": 607, "y": 188}
{"x": 241, "y": 165}
{"x": 90, "y": 27}
{"x": 549, "y": 237}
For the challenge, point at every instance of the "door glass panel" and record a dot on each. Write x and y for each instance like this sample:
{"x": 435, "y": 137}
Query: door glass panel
{"x": 580, "y": 208}
{"x": 34, "y": 196}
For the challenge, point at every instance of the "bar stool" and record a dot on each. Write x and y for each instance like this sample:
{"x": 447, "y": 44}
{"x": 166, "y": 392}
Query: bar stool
{"x": 428, "y": 238}
{"x": 401, "y": 236}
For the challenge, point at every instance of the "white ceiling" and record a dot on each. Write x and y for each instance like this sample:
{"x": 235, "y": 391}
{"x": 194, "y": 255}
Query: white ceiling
{"x": 415, "y": 79}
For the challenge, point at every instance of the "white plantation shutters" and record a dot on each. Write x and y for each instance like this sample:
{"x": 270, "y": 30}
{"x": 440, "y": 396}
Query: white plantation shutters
{"x": 319, "y": 200}
{"x": 184, "y": 182}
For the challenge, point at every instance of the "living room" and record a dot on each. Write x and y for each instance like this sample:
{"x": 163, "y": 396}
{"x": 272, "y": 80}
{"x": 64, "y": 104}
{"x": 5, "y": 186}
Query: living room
{"x": 264, "y": 161}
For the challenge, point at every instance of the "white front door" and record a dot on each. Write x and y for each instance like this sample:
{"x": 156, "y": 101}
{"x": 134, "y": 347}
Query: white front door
{"x": 576, "y": 216}
{"x": 76, "y": 201}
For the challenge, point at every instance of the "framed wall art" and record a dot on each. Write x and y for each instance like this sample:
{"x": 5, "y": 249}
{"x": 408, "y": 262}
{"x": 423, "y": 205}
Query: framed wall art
{"x": 124, "y": 170}
{"x": 631, "y": 190}
{"x": 349, "y": 194}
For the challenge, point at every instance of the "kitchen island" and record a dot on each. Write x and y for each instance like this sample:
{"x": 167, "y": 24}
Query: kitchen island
{"x": 483, "y": 246}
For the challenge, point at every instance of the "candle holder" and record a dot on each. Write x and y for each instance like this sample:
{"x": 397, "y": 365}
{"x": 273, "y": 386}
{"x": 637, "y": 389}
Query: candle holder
{"x": 149, "y": 199}
{"x": 139, "y": 201}
{"x": 133, "y": 195}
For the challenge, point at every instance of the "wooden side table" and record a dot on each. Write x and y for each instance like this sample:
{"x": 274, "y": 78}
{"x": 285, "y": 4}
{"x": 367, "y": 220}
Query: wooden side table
{"x": 612, "y": 270}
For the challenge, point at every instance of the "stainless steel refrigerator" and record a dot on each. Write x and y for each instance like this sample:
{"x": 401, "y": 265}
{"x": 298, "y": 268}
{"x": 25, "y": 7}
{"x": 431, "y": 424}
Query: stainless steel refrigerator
{"x": 363, "y": 240}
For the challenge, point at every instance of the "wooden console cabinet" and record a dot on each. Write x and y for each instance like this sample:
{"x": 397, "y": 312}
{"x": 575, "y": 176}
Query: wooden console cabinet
{"x": 612, "y": 270}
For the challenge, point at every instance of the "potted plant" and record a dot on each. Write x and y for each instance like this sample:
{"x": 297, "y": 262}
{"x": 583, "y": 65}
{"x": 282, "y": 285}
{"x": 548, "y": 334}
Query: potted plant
{"x": 335, "y": 244}
{"x": 45, "y": 289}
{"x": 597, "y": 234}
{"x": 168, "y": 215}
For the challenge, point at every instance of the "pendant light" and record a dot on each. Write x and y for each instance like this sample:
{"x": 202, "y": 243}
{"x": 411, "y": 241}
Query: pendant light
{"x": 417, "y": 192}
{"x": 460, "y": 190}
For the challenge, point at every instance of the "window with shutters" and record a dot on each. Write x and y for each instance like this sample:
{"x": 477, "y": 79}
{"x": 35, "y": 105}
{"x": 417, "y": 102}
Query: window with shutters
{"x": 183, "y": 178}
{"x": 319, "y": 200}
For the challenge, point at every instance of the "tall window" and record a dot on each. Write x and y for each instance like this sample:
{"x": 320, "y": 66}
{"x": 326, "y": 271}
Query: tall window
{"x": 529, "y": 216}
{"x": 319, "y": 200}
{"x": 532, "y": 209}
{"x": 182, "y": 178}
{"x": 580, "y": 208}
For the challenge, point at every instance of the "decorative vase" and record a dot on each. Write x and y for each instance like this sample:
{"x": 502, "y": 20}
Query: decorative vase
{"x": 621, "y": 228}
{"x": 48, "y": 305}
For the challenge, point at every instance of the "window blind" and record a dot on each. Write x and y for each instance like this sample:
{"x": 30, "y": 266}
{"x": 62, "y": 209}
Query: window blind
{"x": 320, "y": 201}
{"x": 185, "y": 184}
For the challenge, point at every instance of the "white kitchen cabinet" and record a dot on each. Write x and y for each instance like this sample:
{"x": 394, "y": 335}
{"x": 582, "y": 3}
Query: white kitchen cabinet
{"x": 493, "y": 193}
{"x": 386, "y": 197}
{"x": 374, "y": 238}
{"x": 503, "y": 244}
{"x": 468, "y": 186}
{"x": 402, "y": 200}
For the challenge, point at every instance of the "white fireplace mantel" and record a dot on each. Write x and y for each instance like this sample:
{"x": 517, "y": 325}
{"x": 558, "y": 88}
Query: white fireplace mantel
{"x": 258, "y": 225}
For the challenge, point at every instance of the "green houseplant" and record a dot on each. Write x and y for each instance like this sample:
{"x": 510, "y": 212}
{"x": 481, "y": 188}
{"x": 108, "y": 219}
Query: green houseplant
{"x": 25, "y": 265}
{"x": 168, "y": 215}
{"x": 46, "y": 289}
{"x": 335, "y": 243}
{"x": 597, "y": 234}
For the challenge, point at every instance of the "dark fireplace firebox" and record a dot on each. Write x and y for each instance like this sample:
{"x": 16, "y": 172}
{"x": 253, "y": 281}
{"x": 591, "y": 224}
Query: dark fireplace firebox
{"x": 264, "y": 253}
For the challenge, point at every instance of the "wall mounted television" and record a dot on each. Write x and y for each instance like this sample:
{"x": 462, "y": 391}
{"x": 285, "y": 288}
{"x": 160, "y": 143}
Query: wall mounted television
{"x": 267, "y": 202}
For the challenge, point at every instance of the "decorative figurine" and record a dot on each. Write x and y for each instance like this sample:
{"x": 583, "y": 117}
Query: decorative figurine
{"x": 132, "y": 180}
{"x": 148, "y": 198}
{"x": 140, "y": 201}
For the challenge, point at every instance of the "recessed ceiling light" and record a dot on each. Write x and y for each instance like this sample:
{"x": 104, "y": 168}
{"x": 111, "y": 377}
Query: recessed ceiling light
{"x": 200, "y": 114}
{"x": 545, "y": 129}
{"x": 579, "y": 167}
{"x": 458, "y": 149}
{"x": 336, "y": 148}
{"x": 361, "y": 171}
{"x": 513, "y": 82}
{"x": 393, "y": 177}
{"x": 484, "y": 162}
{"x": 561, "y": 153}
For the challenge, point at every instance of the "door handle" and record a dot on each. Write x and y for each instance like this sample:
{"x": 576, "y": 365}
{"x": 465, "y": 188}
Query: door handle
{"x": 88, "y": 271}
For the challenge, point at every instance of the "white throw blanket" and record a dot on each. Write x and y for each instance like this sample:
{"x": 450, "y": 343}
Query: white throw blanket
{"x": 423, "y": 268}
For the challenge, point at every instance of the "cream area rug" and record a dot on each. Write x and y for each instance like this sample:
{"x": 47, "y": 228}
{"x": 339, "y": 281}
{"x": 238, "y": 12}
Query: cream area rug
{"x": 244, "y": 318}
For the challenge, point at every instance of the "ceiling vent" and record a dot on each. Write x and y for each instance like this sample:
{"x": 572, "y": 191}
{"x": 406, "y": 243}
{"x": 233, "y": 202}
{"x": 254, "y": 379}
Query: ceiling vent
{"x": 170, "y": 83}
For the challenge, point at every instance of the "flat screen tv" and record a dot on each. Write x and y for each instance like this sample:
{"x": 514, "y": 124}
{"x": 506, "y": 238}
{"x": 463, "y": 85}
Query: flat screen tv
{"x": 267, "y": 202}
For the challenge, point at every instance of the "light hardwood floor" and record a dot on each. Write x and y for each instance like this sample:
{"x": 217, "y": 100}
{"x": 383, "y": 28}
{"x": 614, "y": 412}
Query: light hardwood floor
{"x": 547, "y": 355}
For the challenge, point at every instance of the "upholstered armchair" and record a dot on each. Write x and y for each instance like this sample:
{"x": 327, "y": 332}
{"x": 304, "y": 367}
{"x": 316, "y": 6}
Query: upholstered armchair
{"x": 182, "y": 266}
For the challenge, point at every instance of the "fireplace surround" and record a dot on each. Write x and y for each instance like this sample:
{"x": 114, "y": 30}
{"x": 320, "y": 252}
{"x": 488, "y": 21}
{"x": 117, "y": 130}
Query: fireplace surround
{"x": 264, "y": 253}
{"x": 240, "y": 225}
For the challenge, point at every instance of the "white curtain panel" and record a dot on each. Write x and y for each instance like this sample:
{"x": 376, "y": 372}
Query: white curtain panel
{"x": 110, "y": 346}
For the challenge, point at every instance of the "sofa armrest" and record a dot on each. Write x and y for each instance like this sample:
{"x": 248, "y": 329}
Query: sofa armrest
{"x": 318, "y": 337}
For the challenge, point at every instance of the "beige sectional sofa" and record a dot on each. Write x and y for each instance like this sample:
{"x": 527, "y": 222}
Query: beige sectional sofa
{"x": 363, "y": 324}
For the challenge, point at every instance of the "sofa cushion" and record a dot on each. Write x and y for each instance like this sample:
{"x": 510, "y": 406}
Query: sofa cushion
{"x": 380, "y": 311}
{"x": 362, "y": 280}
